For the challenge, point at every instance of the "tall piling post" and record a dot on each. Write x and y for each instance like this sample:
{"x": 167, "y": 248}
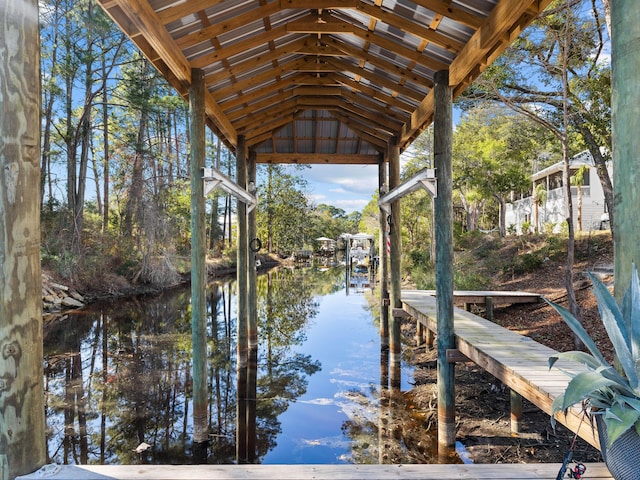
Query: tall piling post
{"x": 625, "y": 123}
{"x": 252, "y": 316}
{"x": 383, "y": 275}
{"x": 395, "y": 341}
{"x": 198, "y": 256}
{"x": 243, "y": 302}
{"x": 22, "y": 422}
{"x": 443, "y": 209}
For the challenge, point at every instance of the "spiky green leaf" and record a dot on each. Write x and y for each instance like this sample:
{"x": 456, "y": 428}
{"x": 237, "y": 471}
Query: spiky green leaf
{"x": 614, "y": 324}
{"x": 619, "y": 419}
{"x": 577, "y": 328}
{"x": 631, "y": 314}
{"x": 576, "y": 356}
{"x": 583, "y": 385}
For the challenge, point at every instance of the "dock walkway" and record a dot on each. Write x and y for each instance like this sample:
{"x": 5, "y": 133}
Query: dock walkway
{"x": 537, "y": 471}
{"x": 518, "y": 361}
{"x": 490, "y": 298}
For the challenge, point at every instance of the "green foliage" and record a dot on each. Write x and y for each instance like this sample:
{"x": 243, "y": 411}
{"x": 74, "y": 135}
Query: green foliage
{"x": 284, "y": 213}
{"x": 612, "y": 393}
{"x": 492, "y": 152}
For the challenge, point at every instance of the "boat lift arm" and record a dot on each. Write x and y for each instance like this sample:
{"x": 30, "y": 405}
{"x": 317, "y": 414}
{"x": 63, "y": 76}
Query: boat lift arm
{"x": 214, "y": 178}
{"x": 425, "y": 178}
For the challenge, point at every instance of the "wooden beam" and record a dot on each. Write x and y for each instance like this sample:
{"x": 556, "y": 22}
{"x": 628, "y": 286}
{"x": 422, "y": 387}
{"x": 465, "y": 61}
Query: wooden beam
{"x": 239, "y": 47}
{"x": 363, "y": 131}
{"x": 375, "y": 79}
{"x": 486, "y": 41}
{"x": 319, "y": 24}
{"x": 277, "y": 99}
{"x": 317, "y": 158}
{"x": 145, "y": 20}
{"x": 271, "y": 127}
{"x": 264, "y": 119}
{"x": 265, "y": 92}
{"x": 184, "y": 9}
{"x": 444, "y": 8}
{"x": 390, "y": 67}
{"x": 317, "y": 4}
{"x": 399, "y": 49}
{"x": 212, "y": 31}
{"x": 238, "y": 69}
{"x": 409, "y": 26}
{"x": 256, "y": 80}
{"x": 373, "y": 93}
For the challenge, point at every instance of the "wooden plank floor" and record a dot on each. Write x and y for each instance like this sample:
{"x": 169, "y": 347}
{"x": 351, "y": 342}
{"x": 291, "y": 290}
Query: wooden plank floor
{"x": 499, "y": 297}
{"x": 546, "y": 471}
{"x": 519, "y": 362}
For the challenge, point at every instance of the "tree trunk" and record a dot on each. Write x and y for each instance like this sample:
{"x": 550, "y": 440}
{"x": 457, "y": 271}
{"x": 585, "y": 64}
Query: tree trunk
{"x": 601, "y": 166}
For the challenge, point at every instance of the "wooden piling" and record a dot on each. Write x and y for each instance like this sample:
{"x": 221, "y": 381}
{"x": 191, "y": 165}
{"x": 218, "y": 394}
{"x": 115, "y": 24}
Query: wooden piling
{"x": 198, "y": 256}
{"x": 625, "y": 123}
{"x": 383, "y": 268}
{"x": 22, "y": 424}
{"x": 516, "y": 411}
{"x": 395, "y": 342}
{"x": 252, "y": 317}
{"x": 443, "y": 207}
{"x": 243, "y": 294}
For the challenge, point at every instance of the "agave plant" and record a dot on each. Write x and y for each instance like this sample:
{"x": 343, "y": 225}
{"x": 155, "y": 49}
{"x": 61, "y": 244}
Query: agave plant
{"x": 611, "y": 392}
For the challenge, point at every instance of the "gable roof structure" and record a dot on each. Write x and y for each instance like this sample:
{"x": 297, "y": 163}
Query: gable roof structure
{"x": 321, "y": 81}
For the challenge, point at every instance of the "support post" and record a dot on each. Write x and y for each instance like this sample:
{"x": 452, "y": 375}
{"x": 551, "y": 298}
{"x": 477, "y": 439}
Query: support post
{"x": 22, "y": 423}
{"x": 395, "y": 341}
{"x": 625, "y": 123}
{"x": 488, "y": 308}
{"x": 198, "y": 255}
{"x": 443, "y": 207}
{"x": 252, "y": 316}
{"x": 383, "y": 272}
{"x": 243, "y": 301}
{"x": 516, "y": 411}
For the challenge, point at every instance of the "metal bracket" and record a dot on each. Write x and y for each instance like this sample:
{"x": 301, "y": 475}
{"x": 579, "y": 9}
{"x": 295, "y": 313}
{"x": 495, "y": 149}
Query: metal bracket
{"x": 399, "y": 313}
{"x": 215, "y": 179}
{"x": 425, "y": 178}
{"x": 455, "y": 356}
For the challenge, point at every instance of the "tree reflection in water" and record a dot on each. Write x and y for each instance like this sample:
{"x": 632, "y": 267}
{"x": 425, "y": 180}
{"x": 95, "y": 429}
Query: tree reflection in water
{"x": 119, "y": 374}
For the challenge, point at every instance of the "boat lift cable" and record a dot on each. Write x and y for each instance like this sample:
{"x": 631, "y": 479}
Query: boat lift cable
{"x": 425, "y": 178}
{"x": 215, "y": 179}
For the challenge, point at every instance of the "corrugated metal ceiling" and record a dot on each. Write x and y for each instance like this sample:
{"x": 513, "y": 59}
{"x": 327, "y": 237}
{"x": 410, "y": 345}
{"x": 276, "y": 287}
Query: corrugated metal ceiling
{"x": 329, "y": 79}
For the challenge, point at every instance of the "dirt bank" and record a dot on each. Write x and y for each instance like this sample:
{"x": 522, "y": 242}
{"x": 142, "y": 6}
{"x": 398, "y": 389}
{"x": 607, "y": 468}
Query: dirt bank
{"x": 483, "y": 423}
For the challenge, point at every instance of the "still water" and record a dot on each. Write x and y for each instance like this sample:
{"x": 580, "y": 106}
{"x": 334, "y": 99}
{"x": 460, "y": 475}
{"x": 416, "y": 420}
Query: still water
{"x": 118, "y": 376}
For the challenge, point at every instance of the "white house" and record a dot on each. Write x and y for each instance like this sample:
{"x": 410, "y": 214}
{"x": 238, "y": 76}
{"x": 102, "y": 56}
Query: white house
{"x": 550, "y": 211}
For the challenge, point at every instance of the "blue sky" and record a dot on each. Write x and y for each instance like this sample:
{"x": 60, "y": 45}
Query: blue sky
{"x": 349, "y": 187}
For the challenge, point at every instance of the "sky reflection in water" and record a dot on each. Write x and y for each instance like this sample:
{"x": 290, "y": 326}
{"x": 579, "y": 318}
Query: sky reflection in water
{"x": 120, "y": 374}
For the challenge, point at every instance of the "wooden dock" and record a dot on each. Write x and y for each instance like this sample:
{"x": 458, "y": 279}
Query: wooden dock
{"x": 490, "y": 298}
{"x": 517, "y": 361}
{"x": 499, "y": 297}
{"x": 532, "y": 471}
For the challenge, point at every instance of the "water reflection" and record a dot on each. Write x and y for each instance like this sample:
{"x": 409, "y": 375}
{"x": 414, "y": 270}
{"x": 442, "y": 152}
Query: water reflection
{"x": 118, "y": 378}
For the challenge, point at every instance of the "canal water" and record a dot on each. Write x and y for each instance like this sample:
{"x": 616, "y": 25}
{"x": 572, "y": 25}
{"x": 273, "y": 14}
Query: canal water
{"x": 118, "y": 376}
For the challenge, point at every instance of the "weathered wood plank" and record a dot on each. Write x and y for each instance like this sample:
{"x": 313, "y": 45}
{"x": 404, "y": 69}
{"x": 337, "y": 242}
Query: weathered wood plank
{"x": 546, "y": 471}
{"x": 498, "y": 297}
{"x": 519, "y": 362}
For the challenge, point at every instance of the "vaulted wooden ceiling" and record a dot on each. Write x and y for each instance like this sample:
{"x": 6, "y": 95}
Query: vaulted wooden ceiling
{"x": 321, "y": 81}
